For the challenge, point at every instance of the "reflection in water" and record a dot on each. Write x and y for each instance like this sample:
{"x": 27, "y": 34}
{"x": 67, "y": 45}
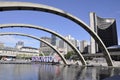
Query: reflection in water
{"x": 54, "y": 72}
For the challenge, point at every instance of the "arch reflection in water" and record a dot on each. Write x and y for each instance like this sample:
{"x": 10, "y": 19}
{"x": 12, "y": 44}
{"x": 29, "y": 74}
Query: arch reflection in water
{"x": 54, "y": 72}
{"x": 60, "y": 72}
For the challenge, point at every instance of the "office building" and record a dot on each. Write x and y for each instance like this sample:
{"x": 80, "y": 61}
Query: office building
{"x": 84, "y": 46}
{"x": 46, "y": 39}
{"x": 106, "y": 30}
{"x": 19, "y": 44}
{"x": 19, "y": 51}
{"x": 53, "y": 40}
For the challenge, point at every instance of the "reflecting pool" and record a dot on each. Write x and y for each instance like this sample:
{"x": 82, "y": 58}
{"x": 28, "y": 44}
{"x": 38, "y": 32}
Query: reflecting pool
{"x": 54, "y": 72}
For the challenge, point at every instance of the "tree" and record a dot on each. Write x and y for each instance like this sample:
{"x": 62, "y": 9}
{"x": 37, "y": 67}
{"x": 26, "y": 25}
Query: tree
{"x": 69, "y": 54}
{"x": 40, "y": 55}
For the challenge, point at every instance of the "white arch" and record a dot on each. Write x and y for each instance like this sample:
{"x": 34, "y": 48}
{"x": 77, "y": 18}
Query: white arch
{"x": 5, "y": 6}
{"x": 22, "y": 34}
{"x": 47, "y": 30}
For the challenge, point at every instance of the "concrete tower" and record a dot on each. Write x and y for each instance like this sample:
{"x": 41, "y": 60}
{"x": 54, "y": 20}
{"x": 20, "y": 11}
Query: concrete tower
{"x": 93, "y": 25}
{"x": 106, "y": 30}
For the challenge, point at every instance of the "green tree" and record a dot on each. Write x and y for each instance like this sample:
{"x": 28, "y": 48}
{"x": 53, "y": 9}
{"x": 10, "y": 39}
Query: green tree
{"x": 40, "y": 55}
{"x": 69, "y": 54}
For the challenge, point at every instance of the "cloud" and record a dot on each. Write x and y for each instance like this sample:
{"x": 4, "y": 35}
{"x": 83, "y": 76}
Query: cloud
{"x": 12, "y": 40}
{"x": 7, "y": 39}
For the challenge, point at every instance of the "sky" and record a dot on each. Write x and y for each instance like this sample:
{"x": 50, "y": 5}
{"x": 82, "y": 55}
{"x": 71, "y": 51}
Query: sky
{"x": 78, "y": 8}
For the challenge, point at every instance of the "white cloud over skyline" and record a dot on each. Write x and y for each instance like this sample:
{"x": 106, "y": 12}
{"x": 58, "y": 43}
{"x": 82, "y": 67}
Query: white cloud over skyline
{"x": 9, "y": 40}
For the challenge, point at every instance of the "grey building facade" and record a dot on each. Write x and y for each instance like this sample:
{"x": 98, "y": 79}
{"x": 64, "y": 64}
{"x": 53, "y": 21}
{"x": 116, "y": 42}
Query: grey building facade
{"x": 46, "y": 39}
{"x": 53, "y": 39}
{"x": 106, "y": 30}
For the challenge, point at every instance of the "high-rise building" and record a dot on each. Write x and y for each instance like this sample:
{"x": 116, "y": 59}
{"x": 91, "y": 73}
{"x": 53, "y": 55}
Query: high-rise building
{"x": 53, "y": 40}
{"x": 106, "y": 30}
{"x": 19, "y": 44}
{"x": 77, "y": 44}
{"x": 72, "y": 40}
{"x": 61, "y": 44}
{"x": 46, "y": 39}
{"x": 44, "y": 48}
{"x": 84, "y": 46}
{"x": 93, "y": 48}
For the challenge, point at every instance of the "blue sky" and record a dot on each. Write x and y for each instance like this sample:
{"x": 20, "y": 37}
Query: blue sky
{"x": 79, "y": 8}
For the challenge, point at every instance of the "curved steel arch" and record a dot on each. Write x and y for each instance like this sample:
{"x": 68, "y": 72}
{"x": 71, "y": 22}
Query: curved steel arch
{"x": 22, "y": 34}
{"x": 47, "y": 30}
{"x": 5, "y": 6}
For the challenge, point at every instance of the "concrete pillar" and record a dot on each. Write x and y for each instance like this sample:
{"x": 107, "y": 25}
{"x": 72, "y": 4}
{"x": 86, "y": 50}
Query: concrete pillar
{"x": 93, "y": 25}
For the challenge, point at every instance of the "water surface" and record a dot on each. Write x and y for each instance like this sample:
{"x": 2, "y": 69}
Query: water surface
{"x": 54, "y": 72}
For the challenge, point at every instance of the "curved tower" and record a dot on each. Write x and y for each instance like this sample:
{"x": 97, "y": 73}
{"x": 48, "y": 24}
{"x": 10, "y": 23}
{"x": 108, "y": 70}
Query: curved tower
{"x": 106, "y": 30}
